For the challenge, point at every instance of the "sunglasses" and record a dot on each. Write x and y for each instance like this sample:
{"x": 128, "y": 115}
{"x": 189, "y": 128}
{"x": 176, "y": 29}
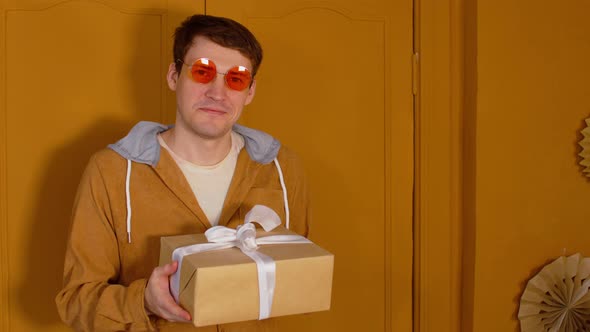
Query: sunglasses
{"x": 204, "y": 71}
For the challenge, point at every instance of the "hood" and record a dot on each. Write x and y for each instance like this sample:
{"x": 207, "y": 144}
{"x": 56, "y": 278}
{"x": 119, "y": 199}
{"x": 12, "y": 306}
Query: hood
{"x": 141, "y": 144}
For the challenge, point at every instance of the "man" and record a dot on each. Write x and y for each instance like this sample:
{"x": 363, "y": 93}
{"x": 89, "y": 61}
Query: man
{"x": 169, "y": 180}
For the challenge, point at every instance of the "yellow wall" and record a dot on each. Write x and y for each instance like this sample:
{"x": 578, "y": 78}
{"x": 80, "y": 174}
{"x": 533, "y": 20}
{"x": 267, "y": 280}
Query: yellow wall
{"x": 530, "y": 198}
{"x": 501, "y": 100}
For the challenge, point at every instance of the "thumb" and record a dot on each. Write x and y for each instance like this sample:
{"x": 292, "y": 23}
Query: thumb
{"x": 170, "y": 268}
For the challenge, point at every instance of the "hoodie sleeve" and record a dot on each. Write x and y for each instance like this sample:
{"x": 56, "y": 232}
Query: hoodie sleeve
{"x": 91, "y": 298}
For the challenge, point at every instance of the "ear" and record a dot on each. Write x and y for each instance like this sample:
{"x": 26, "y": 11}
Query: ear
{"x": 172, "y": 76}
{"x": 251, "y": 93}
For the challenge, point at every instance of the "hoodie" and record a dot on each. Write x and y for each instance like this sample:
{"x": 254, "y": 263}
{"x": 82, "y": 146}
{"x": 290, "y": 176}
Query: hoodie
{"x": 131, "y": 194}
{"x": 141, "y": 146}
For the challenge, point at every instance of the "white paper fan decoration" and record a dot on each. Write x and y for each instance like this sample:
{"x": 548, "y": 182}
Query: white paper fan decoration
{"x": 557, "y": 298}
{"x": 585, "y": 144}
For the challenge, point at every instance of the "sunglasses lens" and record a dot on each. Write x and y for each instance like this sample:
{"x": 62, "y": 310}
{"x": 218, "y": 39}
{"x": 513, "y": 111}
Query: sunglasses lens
{"x": 238, "y": 78}
{"x": 203, "y": 71}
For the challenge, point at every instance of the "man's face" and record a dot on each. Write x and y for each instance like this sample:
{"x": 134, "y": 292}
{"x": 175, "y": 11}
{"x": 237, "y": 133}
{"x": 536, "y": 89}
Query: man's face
{"x": 209, "y": 110}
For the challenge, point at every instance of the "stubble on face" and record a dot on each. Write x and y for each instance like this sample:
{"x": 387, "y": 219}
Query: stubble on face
{"x": 208, "y": 121}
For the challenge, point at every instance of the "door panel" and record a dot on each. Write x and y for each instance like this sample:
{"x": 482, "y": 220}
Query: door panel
{"x": 77, "y": 75}
{"x": 323, "y": 90}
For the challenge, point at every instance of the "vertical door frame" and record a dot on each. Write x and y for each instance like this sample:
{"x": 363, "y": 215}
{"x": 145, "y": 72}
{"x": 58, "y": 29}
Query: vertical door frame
{"x": 439, "y": 45}
{"x": 4, "y": 298}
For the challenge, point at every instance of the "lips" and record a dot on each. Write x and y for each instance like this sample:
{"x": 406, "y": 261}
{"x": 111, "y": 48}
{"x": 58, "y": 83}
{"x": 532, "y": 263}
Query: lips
{"x": 212, "y": 110}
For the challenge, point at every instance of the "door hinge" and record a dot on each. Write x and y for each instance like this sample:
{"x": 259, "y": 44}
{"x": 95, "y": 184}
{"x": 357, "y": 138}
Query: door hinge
{"x": 415, "y": 73}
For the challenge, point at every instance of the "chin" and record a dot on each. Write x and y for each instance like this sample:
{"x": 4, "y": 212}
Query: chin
{"x": 210, "y": 133}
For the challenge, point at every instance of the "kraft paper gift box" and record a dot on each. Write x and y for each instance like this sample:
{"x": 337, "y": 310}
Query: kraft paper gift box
{"x": 221, "y": 286}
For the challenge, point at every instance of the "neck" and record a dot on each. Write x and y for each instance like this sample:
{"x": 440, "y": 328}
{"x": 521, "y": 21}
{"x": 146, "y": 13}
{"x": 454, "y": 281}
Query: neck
{"x": 196, "y": 149}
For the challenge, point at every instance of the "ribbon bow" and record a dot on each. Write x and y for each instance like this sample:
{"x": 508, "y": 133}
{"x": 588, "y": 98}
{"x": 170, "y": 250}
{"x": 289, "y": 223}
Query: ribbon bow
{"x": 244, "y": 238}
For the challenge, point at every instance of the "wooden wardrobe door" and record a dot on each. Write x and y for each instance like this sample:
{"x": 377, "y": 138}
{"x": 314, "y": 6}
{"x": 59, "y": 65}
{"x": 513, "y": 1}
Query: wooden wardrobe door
{"x": 336, "y": 86}
{"x": 76, "y": 75}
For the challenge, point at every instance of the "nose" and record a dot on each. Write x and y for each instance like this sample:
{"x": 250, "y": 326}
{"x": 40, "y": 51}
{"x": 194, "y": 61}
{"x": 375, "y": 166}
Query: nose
{"x": 216, "y": 89}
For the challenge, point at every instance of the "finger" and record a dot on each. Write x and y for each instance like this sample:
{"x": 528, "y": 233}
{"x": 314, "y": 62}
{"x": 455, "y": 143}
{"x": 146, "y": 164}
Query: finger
{"x": 180, "y": 315}
{"x": 172, "y": 307}
{"x": 158, "y": 272}
{"x": 174, "y": 312}
{"x": 170, "y": 268}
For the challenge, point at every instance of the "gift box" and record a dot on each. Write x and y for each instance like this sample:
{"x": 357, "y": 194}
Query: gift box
{"x": 222, "y": 286}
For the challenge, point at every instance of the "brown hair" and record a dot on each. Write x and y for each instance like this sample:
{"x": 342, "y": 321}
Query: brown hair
{"x": 220, "y": 30}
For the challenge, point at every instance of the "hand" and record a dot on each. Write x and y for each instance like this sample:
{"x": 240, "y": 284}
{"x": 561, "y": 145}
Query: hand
{"x": 157, "y": 298}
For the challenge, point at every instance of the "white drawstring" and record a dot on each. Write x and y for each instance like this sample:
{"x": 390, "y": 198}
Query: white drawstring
{"x": 284, "y": 192}
{"x": 128, "y": 200}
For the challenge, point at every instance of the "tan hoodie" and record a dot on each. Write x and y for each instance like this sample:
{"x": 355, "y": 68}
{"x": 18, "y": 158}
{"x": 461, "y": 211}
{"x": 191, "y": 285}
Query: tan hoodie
{"x": 134, "y": 193}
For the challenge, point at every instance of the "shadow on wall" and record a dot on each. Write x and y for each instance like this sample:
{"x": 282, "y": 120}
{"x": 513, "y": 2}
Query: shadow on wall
{"x": 577, "y": 148}
{"x": 51, "y": 218}
{"x": 51, "y": 213}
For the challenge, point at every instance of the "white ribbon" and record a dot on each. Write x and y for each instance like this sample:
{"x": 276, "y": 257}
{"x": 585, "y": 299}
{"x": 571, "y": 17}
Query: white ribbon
{"x": 244, "y": 238}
